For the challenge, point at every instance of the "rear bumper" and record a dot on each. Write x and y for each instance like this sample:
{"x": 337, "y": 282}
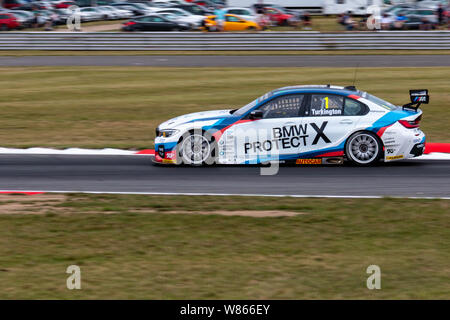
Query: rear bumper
{"x": 418, "y": 149}
{"x": 402, "y": 143}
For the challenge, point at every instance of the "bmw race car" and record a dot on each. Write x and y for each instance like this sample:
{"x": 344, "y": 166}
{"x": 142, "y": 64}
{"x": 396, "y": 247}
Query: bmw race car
{"x": 320, "y": 124}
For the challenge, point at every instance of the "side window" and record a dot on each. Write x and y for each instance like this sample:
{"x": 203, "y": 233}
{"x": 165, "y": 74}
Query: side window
{"x": 354, "y": 108}
{"x": 326, "y": 105}
{"x": 231, "y": 19}
{"x": 283, "y": 107}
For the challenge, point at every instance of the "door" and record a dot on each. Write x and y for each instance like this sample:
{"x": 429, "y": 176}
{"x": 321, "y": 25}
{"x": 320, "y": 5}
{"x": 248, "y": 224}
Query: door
{"x": 278, "y": 135}
{"x": 149, "y": 24}
{"x": 233, "y": 23}
{"x": 162, "y": 24}
{"x": 328, "y": 120}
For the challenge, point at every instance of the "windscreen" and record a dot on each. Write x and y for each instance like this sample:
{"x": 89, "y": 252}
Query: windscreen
{"x": 246, "y": 108}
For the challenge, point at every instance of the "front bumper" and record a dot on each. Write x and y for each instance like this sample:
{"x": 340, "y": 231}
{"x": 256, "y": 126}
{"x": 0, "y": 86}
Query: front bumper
{"x": 165, "y": 151}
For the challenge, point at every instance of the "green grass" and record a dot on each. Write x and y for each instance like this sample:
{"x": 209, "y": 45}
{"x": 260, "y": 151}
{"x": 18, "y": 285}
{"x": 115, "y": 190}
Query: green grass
{"x": 127, "y": 252}
{"x": 120, "y": 107}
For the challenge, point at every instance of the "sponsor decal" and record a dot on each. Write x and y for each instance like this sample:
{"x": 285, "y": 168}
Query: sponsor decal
{"x": 394, "y": 157}
{"x": 170, "y": 155}
{"x": 288, "y": 137}
{"x": 390, "y": 151}
{"x": 326, "y": 112}
{"x": 308, "y": 161}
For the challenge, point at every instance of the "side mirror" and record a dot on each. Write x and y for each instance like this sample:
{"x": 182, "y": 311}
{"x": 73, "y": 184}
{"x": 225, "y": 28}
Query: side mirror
{"x": 256, "y": 114}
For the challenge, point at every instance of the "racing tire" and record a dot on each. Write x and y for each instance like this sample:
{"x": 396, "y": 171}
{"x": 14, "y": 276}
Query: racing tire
{"x": 196, "y": 149}
{"x": 251, "y": 29}
{"x": 363, "y": 148}
{"x": 4, "y": 27}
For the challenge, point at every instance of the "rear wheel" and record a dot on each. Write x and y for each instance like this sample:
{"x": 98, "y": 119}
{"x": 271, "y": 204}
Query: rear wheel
{"x": 251, "y": 29}
{"x": 4, "y": 27}
{"x": 363, "y": 148}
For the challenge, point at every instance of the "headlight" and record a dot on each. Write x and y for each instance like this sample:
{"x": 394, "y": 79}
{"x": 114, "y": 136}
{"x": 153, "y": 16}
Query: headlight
{"x": 167, "y": 133}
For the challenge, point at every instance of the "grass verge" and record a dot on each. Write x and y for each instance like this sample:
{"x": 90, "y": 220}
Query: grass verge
{"x": 120, "y": 107}
{"x": 130, "y": 247}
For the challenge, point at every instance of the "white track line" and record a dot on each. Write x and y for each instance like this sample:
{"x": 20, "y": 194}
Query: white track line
{"x": 231, "y": 194}
{"x": 69, "y": 151}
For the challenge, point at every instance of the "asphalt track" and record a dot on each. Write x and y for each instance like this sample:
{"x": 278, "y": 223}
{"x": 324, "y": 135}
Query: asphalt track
{"x": 234, "y": 61}
{"x": 135, "y": 174}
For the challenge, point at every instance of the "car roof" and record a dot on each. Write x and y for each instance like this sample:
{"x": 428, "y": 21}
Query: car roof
{"x": 317, "y": 88}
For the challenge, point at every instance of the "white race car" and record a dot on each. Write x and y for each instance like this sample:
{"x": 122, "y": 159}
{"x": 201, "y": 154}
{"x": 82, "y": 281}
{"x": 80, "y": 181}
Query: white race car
{"x": 301, "y": 124}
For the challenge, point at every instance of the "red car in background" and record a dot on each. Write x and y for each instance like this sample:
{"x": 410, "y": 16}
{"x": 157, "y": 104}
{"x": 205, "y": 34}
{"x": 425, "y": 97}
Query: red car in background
{"x": 8, "y": 22}
{"x": 278, "y": 17}
{"x": 63, "y": 4}
{"x": 16, "y": 4}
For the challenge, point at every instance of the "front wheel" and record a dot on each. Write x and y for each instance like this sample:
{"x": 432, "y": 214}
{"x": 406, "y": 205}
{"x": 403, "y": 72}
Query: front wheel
{"x": 196, "y": 148}
{"x": 363, "y": 148}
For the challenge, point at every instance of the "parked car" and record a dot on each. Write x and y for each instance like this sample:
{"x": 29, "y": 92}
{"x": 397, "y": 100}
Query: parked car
{"x": 89, "y": 14}
{"x": 16, "y": 4}
{"x": 432, "y": 4}
{"x": 133, "y": 7}
{"x": 244, "y": 13}
{"x": 107, "y": 14}
{"x": 25, "y": 18}
{"x": 63, "y": 15}
{"x": 63, "y": 4}
{"x": 8, "y": 22}
{"x": 121, "y": 13}
{"x": 41, "y": 5}
{"x": 296, "y": 13}
{"x": 154, "y": 22}
{"x": 279, "y": 17}
{"x": 393, "y": 10}
{"x": 89, "y": 3}
{"x": 161, "y": 4}
{"x": 184, "y": 16}
{"x": 415, "y": 18}
{"x": 231, "y": 23}
{"x": 206, "y": 3}
{"x": 194, "y": 9}
{"x": 173, "y": 17}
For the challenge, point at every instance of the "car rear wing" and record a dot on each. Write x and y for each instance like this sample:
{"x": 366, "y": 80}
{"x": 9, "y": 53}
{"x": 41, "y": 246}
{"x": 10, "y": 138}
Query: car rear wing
{"x": 417, "y": 97}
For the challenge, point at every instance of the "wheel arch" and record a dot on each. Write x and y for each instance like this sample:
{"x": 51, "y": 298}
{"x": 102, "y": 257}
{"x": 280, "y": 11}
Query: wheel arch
{"x": 364, "y": 131}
